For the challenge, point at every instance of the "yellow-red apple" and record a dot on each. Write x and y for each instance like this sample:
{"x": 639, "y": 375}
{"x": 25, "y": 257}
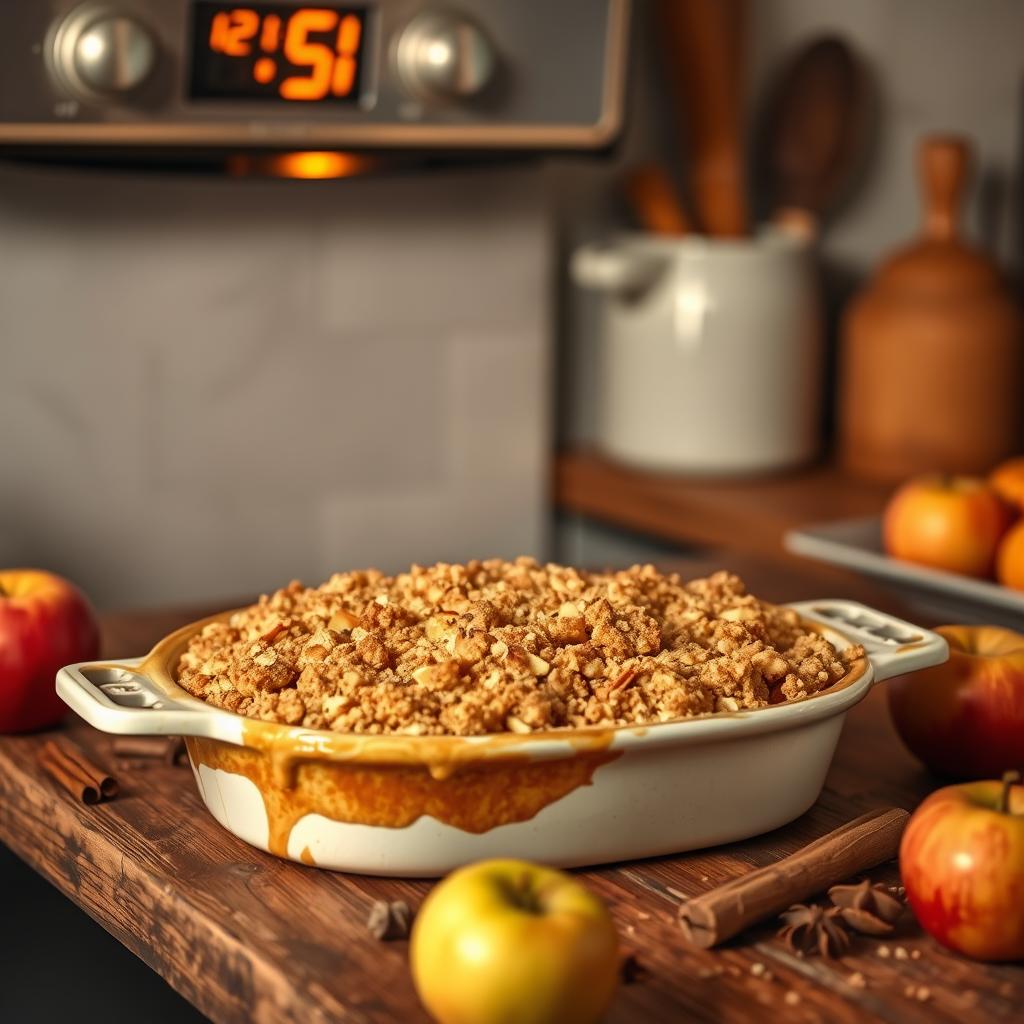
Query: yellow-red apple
{"x": 45, "y": 623}
{"x": 962, "y": 862}
{"x": 946, "y": 522}
{"x": 506, "y": 941}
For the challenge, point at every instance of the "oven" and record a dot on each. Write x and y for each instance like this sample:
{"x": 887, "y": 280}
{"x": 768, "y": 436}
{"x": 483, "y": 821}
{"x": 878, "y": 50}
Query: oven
{"x": 215, "y": 380}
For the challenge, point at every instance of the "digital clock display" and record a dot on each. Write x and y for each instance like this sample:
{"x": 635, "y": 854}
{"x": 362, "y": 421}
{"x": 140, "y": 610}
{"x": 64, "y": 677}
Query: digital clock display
{"x": 277, "y": 52}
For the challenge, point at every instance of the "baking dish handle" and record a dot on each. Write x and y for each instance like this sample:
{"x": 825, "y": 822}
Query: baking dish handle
{"x": 115, "y": 698}
{"x": 892, "y": 645}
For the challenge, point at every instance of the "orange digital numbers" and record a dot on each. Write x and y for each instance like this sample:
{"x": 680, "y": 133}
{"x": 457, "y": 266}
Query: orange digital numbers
{"x": 232, "y": 30}
{"x": 303, "y": 53}
{"x": 318, "y": 57}
{"x": 349, "y": 34}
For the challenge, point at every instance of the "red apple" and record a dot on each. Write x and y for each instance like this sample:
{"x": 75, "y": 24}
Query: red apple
{"x": 962, "y": 862}
{"x": 965, "y": 718}
{"x": 946, "y": 522}
{"x": 45, "y": 623}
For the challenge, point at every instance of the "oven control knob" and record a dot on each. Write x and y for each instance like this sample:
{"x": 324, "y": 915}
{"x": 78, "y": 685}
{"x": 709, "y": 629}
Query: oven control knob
{"x": 107, "y": 54}
{"x": 443, "y": 56}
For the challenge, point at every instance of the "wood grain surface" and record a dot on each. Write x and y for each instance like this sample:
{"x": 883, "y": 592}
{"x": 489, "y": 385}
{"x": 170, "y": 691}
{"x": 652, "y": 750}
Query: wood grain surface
{"x": 247, "y": 937}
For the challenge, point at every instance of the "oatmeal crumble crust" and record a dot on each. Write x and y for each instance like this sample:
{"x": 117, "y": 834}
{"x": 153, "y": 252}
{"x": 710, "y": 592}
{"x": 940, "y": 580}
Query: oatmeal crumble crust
{"x": 500, "y": 646}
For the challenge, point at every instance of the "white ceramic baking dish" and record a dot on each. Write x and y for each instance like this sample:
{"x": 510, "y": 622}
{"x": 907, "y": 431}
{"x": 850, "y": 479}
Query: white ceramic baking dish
{"x": 421, "y": 806}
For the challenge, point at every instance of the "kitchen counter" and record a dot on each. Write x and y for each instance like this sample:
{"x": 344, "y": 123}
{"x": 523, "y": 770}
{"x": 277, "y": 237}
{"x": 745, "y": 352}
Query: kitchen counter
{"x": 749, "y": 513}
{"x": 247, "y": 937}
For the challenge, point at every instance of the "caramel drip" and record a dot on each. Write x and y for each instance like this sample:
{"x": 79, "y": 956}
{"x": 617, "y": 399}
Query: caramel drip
{"x": 474, "y": 798}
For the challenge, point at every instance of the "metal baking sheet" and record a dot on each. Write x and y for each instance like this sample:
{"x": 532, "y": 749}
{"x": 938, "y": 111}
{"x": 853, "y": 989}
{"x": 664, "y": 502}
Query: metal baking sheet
{"x": 857, "y": 544}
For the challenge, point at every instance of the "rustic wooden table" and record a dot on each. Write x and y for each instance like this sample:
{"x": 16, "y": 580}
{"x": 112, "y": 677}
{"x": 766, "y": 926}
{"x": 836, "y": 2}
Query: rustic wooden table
{"x": 247, "y": 937}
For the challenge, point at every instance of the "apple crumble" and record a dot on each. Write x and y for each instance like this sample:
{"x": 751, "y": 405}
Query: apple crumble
{"x": 500, "y": 646}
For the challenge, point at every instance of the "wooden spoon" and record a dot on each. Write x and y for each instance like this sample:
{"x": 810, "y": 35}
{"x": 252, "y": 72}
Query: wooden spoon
{"x": 815, "y": 133}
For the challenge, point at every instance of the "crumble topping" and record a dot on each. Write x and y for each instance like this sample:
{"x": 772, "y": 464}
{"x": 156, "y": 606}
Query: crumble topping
{"x": 500, "y": 646}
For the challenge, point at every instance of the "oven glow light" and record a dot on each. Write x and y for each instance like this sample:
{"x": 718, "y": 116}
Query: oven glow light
{"x": 318, "y": 165}
{"x": 307, "y": 164}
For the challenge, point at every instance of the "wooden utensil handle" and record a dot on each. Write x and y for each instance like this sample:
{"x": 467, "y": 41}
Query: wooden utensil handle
{"x": 654, "y": 202}
{"x": 702, "y": 40}
{"x": 944, "y": 164}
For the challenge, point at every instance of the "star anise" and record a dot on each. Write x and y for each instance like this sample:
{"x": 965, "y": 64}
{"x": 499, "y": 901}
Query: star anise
{"x": 814, "y": 929}
{"x": 389, "y": 921}
{"x": 867, "y": 908}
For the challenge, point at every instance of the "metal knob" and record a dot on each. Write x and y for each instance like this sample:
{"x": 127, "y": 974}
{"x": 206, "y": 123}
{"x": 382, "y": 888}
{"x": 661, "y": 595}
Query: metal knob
{"x": 114, "y": 54}
{"x": 444, "y": 56}
{"x": 98, "y": 51}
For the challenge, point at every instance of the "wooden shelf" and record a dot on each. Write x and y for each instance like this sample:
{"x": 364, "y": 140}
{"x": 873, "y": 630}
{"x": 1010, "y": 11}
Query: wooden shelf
{"x": 749, "y": 514}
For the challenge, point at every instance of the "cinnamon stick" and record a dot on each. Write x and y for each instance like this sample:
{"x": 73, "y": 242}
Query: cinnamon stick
{"x": 863, "y": 843}
{"x": 69, "y": 767}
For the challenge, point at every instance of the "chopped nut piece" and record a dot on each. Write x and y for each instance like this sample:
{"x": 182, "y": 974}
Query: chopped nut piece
{"x": 343, "y": 621}
{"x": 514, "y": 724}
{"x": 884, "y": 952}
{"x": 919, "y": 992}
{"x": 624, "y": 679}
{"x": 274, "y": 631}
{"x": 900, "y": 953}
{"x": 710, "y": 972}
{"x": 538, "y": 666}
{"x": 857, "y": 980}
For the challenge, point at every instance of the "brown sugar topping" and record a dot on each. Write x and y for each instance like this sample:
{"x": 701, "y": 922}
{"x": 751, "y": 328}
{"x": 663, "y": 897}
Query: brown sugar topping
{"x": 499, "y": 646}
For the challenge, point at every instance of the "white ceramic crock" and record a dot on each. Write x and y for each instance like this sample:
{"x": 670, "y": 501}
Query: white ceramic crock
{"x": 567, "y": 797}
{"x": 710, "y": 354}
